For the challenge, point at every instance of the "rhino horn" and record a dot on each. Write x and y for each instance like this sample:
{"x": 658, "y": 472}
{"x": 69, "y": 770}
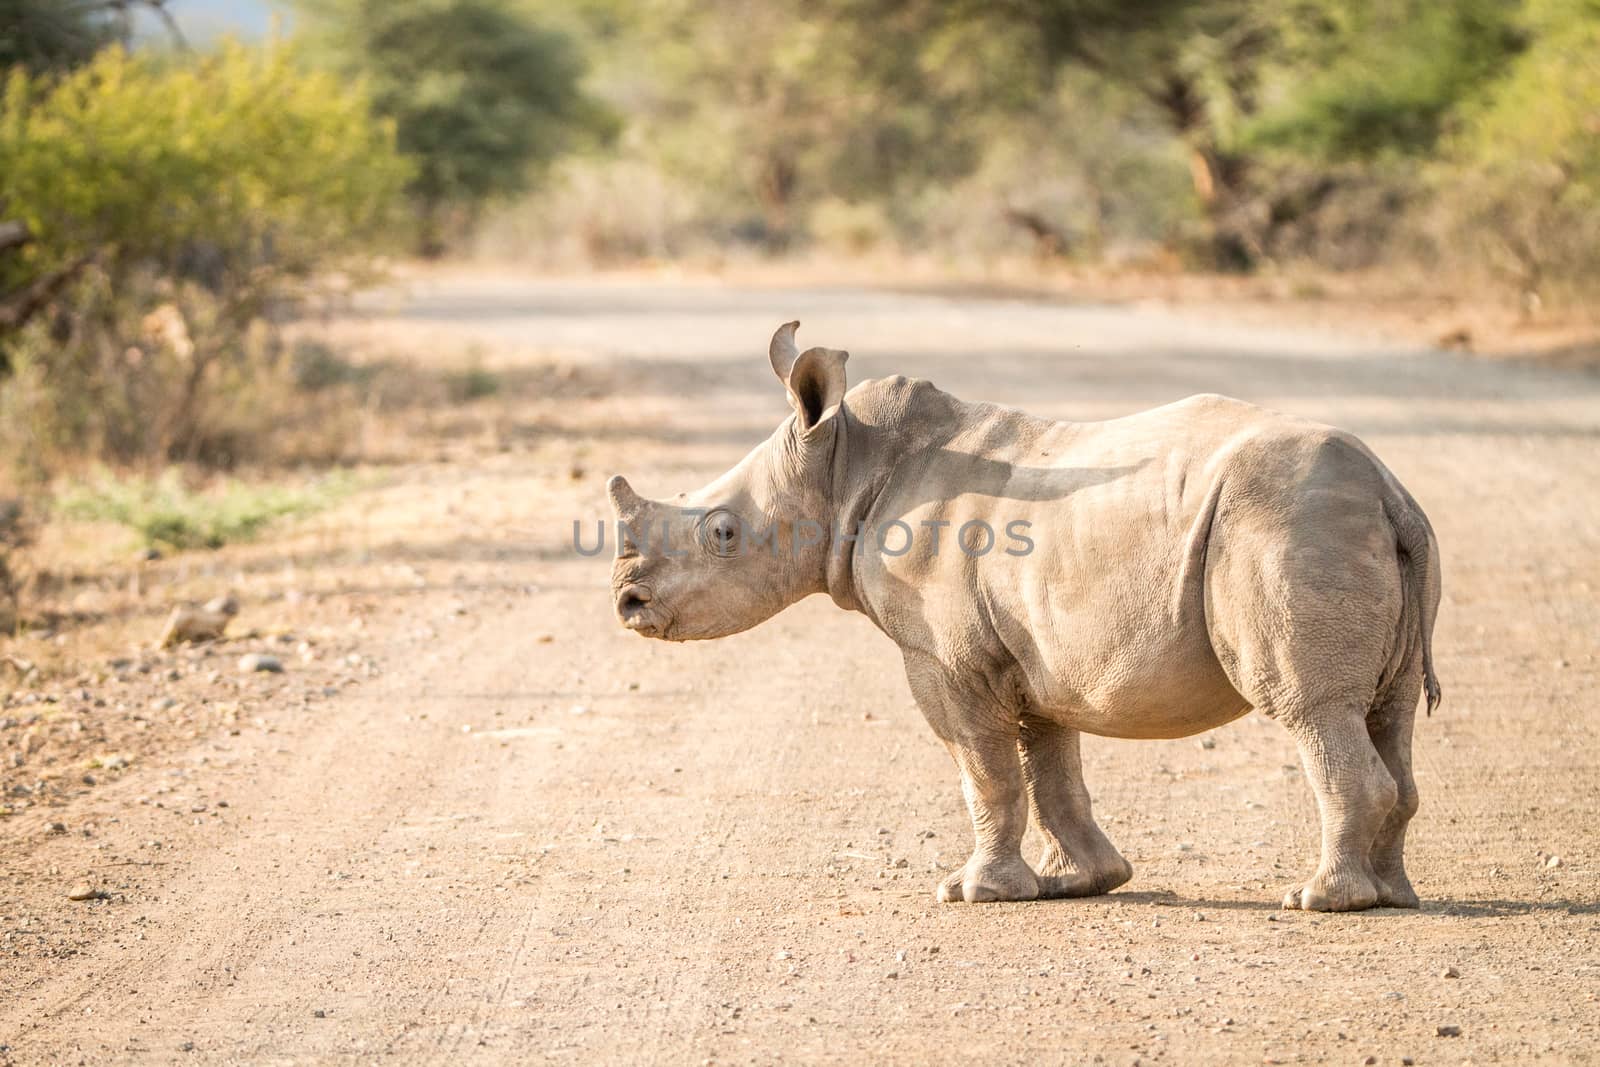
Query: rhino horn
{"x": 624, "y": 501}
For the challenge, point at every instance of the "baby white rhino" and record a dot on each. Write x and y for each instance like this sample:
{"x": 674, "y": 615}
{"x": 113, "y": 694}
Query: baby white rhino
{"x": 1145, "y": 577}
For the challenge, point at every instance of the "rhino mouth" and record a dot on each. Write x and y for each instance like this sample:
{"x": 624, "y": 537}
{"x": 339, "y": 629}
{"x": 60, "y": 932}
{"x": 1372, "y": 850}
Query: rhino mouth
{"x": 639, "y": 611}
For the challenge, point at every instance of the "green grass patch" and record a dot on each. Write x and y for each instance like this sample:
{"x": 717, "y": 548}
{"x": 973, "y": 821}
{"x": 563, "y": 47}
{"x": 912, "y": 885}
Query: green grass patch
{"x": 166, "y": 512}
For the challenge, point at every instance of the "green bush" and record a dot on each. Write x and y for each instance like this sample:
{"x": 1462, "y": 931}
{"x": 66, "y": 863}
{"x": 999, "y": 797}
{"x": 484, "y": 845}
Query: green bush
{"x": 240, "y": 158}
{"x": 1521, "y": 180}
{"x": 165, "y": 511}
{"x": 174, "y": 205}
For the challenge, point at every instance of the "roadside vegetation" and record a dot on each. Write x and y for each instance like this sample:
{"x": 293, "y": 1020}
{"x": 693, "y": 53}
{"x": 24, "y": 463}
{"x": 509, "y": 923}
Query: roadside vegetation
{"x": 164, "y": 513}
{"x": 1452, "y": 145}
{"x": 173, "y": 213}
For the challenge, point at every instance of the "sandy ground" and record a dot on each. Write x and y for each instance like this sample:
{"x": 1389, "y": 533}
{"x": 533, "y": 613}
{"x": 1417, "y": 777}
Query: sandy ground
{"x": 523, "y": 834}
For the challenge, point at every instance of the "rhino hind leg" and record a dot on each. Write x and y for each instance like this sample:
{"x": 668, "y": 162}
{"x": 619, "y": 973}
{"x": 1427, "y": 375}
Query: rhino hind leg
{"x": 1355, "y": 794}
{"x": 1078, "y": 861}
{"x": 1389, "y": 727}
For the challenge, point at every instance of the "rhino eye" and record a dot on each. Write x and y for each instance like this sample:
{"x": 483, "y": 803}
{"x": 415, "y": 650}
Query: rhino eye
{"x": 721, "y": 532}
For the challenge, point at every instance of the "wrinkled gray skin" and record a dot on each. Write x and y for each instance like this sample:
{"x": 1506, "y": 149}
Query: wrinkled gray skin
{"x": 1191, "y": 563}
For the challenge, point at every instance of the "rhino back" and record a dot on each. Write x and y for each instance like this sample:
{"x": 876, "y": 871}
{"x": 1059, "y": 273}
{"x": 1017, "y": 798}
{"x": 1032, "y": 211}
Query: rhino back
{"x": 1098, "y": 618}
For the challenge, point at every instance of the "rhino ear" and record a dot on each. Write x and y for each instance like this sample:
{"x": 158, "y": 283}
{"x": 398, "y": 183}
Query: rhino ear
{"x": 816, "y": 385}
{"x": 814, "y": 379}
{"x": 782, "y": 350}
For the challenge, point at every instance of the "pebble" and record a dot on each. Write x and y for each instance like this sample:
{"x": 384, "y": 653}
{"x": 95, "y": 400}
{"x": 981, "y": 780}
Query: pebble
{"x": 1449, "y": 972}
{"x": 1448, "y": 1031}
{"x": 260, "y": 661}
{"x": 1208, "y": 743}
{"x": 83, "y": 891}
{"x": 163, "y": 704}
{"x": 1552, "y": 861}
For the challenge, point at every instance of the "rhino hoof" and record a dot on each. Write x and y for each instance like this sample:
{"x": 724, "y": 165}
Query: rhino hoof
{"x": 1320, "y": 895}
{"x": 988, "y": 883}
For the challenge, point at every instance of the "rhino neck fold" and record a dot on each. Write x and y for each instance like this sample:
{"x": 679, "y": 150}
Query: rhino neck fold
{"x": 852, "y": 493}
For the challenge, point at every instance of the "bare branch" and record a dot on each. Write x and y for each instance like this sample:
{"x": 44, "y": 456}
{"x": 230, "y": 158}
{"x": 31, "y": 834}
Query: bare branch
{"x": 18, "y": 307}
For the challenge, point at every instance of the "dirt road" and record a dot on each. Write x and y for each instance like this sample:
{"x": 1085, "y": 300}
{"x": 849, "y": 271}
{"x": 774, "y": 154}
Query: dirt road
{"x": 534, "y": 836}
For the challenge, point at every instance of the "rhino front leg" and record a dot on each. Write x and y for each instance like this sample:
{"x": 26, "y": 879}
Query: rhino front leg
{"x": 982, "y": 738}
{"x": 991, "y": 781}
{"x": 1078, "y": 860}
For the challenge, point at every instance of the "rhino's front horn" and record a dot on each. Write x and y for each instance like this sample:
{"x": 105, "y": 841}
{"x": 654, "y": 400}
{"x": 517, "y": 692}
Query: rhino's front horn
{"x": 782, "y": 351}
{"x": 624, "y": 501}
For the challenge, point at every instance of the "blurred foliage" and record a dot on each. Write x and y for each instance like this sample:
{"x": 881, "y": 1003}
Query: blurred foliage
{"x": 254, "y": 163}
{"x": 1360, "y": 79}
{"x": 168, "y": 512}
{"x": 50, "y": 34}
{"x": 167, "y": 208}
{"x": 159, "y": 212}
{"x": 1521, "y": 176}
{"x": 482, "y": 95}
{"x": 1231, "y": 134}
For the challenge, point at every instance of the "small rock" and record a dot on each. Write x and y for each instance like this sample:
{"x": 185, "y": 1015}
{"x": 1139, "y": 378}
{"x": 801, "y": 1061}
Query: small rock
{"x": 1208, "y": 743}
{"x": 318, "y": 1013}
{"x": 83, "y": 891}
{"x": 1448, "y": 1031}
{"x": 1449, "y": 972}
{"x": 205, "y": 623}
{"x": 1370, "y": 1060}
{"x": 783, "y": 954}
{"x": 163, "y": 704}
{"x": 1552, "y": 862}
{"x": 260, "y": 661}
{"x": 902, "y": 862}
{"x": 58, "y": 827}
{"x": 892, "y": 974}
{"x": 187, "y": 1046}
{"x": 578, "y": 709}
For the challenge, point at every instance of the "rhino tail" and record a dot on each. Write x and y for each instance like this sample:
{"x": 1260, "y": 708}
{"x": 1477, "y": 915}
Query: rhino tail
{"x": 1419, "y": 552}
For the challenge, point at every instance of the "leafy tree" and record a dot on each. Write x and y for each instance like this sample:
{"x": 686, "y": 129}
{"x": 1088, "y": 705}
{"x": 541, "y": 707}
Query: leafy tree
{"x": 773, "y": 107}
{"x": 1521, "y": 174}
{"x": 1364, "y": 79}
{"x": 57, "y": 34}
{"x": 162, "y": 208}
{"x": 481, "y": 94}
{"x": 47, "y": 34}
